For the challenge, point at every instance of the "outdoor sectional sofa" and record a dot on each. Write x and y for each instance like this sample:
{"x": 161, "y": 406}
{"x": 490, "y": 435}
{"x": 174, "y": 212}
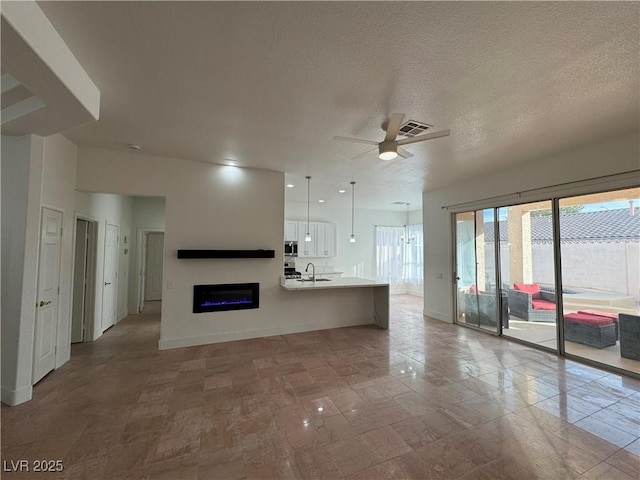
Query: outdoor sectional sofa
{"x": 528, "y": 302}
{"x": 630, "y": 336}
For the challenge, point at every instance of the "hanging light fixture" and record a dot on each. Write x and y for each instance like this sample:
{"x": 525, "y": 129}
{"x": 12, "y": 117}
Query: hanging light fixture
{"x": 405, "y": 238}
{"x": 352, "y": 238}
{"x": 307, "y": 237}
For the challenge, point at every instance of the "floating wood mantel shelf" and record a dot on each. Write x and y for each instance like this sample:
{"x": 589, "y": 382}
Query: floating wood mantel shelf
{"x": 226, "y": 253}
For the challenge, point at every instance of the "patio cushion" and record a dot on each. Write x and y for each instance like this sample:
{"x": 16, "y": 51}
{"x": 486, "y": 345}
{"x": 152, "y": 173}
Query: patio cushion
{"x": 588, "y": 319}
{"x": 612, "y": 316}
{"x": 532, "y": 288}
{"x": 543, "y": 305}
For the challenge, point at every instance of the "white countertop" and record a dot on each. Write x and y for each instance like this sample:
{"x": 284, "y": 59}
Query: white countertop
{"x": 341, "y": 282}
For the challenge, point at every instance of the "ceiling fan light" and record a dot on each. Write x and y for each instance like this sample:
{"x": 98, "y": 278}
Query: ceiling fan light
{"x": 388, "y": 150}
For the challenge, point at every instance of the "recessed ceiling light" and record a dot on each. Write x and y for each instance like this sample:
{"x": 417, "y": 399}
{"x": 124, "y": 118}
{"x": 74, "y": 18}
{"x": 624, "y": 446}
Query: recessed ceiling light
{"x": 320, "y": 201}
{"x": 342, "y": 190}
{"x": 133, "y": 146}
{"x": 232, "y": 163}
{"x": 290, "y": 185}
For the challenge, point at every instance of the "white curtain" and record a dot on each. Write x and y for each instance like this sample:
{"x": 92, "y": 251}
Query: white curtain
{"x": 389, "y": 255}
{"x": 466, "y": 252}
{"x": 396, "y": 261}
{"x": 414, "y": 256}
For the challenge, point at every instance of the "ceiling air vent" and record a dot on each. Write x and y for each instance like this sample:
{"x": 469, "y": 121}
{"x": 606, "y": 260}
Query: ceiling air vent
{"x": 411, "y": 128}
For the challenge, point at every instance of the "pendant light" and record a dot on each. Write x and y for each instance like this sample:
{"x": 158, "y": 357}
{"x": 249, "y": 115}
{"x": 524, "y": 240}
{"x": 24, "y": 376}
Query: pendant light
{"x": 406, "y": 239}
{"x": 352, "y": 238}
{"x": 307, "y": 237}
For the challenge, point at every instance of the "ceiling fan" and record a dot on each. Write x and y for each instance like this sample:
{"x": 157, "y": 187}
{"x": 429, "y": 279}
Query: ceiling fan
{"x": 390, "y": 148}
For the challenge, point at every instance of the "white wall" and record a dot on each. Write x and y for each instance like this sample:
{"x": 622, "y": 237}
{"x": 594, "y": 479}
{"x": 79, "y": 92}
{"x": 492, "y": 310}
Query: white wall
{"x": 354, "y": 259}
{"x": 415, "y": 217}
{"x": 59, "y": 178}
{"x": 212, "y": 207}
{"x": 44, "y": 169}
{"x": 612, "y": 266}
{"x": 616, "y": 156}
{"x": 115, "y": 210}
{"x": 21, "y": 190}
{"x": 148, "y": 214}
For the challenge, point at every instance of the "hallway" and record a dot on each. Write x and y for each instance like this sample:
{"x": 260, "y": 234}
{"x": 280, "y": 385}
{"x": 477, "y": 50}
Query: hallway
{"x": 422, "y": 400}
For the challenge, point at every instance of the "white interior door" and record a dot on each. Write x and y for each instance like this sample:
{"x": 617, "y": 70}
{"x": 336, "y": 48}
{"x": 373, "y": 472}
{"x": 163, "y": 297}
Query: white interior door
{"x": 142, "y": 261}
{"x": 46, "y": 322}
{"x": 110, "y": 288}
{"x": 155, "y": 256}
{"x": 80, "y": 281}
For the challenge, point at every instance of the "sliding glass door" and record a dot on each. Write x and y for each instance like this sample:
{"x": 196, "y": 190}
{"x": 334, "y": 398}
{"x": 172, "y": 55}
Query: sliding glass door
{"x": 600, "y": 244}
{"x": 476, "y": 274}
{"x": 527, "y": 272}
{"x": 506, "y": 274}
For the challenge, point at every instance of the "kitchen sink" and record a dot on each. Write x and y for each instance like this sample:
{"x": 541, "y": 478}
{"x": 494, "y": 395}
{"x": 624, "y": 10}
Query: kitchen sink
{"x": 317, "y": 280}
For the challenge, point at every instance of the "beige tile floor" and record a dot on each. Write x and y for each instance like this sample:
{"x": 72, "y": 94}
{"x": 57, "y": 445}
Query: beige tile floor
{"x": 423, "y": 400}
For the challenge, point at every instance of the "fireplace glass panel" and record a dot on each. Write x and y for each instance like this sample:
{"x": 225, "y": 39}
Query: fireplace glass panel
{"x": 231, "y": 296}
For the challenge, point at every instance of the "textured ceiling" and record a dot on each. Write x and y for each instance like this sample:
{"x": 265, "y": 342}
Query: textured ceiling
{"x": 269, "y": 84}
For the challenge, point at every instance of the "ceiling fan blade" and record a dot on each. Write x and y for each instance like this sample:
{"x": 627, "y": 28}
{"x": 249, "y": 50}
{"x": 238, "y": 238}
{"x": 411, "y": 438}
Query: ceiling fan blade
{"x": 363, "y": 154}
{"x": 395, "y": 120}
{"x": 404, "y": 153}
{"x": 355, "y": 140}
{"x": 422, "y": 138}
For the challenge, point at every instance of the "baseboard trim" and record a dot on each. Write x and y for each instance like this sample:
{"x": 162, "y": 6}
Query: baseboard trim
{"x": 122, "y": 316}
{"x": 437, "y": 315}
{"x": 62, "y": 358}
{"x": 16, "y": 397}
{"x": 167, "y": 344}
{"x": 96, "y": 335}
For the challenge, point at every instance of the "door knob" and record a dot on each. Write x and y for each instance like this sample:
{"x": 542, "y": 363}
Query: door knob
{"x": 107, "y": 283}
{"x": 43, "y": 303}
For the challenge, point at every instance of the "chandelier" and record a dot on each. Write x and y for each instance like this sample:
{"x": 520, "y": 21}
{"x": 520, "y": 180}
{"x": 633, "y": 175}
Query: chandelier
{"x": 405, "y": 237}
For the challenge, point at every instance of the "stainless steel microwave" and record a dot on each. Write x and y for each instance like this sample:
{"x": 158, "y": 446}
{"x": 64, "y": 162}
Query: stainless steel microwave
{"x": 291, "y": 249}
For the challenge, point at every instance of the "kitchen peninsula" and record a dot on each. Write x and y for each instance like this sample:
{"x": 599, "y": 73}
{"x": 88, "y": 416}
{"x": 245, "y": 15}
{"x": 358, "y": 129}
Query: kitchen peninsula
{"x": 361, "y": 301}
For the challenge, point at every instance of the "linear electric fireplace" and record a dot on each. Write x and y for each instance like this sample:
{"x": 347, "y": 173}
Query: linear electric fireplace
{"x": 228, "y": 296}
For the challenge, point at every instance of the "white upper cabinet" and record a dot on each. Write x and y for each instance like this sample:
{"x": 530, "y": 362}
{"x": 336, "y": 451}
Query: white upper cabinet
{"x": 323, "y": 238}
{"x": 326, "y": 242}
{"x": 290, "y": 231}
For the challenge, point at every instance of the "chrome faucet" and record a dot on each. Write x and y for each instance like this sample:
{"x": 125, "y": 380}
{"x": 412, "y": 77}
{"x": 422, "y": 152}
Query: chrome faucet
{"x": 313, "y": 271}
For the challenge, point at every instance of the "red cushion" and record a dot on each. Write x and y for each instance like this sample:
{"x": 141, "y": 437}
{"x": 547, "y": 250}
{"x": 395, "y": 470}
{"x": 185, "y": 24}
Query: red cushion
{"x": 612, "y": 316}
{"x": 532, "y": 288}
{"x": 588, "y": 319}
{"x": 543, "y": 305}
{"x": 473, "y": 289}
